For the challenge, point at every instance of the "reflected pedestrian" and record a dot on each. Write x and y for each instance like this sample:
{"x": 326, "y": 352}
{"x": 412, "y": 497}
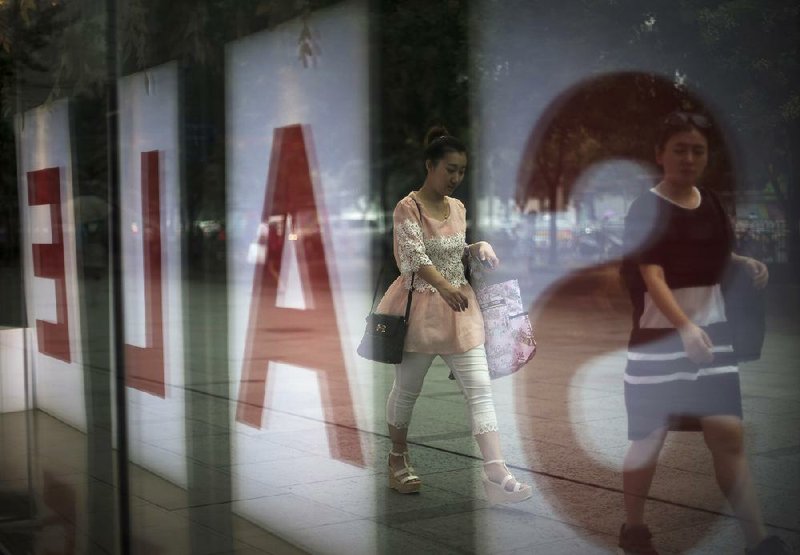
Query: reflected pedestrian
{"x": 445, "y": 320}
{"x": 682, "y": 373}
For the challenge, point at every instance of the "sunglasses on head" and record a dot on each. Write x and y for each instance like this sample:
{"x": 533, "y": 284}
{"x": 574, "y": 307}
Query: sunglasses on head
{"x": 682, "y": 118}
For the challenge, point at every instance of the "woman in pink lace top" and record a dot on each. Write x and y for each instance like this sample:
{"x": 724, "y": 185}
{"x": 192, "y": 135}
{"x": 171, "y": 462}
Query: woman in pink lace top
{"x": 445, "y": 320}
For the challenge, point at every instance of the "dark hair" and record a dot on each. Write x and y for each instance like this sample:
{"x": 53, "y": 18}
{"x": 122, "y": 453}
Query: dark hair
{"x": 438, "y": 143}
{"x": 681, "y": 122}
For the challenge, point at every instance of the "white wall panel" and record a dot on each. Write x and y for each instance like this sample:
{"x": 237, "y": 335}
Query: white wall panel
{"x": 148, "y": 106}
{"x": 44, "y": 141}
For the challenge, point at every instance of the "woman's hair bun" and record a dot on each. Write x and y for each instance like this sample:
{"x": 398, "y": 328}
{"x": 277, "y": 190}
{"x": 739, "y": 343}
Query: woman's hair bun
{"x": 434, "y": 133}
{"x": 439, "y": 142}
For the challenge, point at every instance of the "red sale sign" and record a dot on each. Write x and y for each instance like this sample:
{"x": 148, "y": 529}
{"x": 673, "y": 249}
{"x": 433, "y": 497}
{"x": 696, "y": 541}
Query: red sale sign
{"x": 309, "y": 338}
{"x": 49, "y": 230}
{"x": 152, "y": 231}
{"x": 44, "y": 188}
{"x": 144, "y": 366}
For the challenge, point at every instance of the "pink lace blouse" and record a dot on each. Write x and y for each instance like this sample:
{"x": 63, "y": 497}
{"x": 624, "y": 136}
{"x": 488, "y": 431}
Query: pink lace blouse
{"x": 434, "y": 327}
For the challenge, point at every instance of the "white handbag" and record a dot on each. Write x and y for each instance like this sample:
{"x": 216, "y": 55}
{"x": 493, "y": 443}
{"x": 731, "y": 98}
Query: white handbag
{"x": 510, "y": 343}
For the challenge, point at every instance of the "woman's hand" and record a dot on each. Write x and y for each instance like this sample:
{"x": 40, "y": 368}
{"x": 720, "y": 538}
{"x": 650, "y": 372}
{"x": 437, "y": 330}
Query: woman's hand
{"x": 757, "y": 269}
{"x": 697, "y": 344}
{"x": 484, "y": 252}
{"x": 454, "y": 298}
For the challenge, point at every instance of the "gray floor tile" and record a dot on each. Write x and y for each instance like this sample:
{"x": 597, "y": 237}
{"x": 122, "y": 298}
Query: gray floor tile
{"x": 722, "y": 536}
{"x": 594, "y": 544}
{"x": 365, "y": 537}
{"x": 290, "y": 472}
{"x": 272, "y": 544}
{"x": 491, "y": 530}
{"x": 289, "y": 512}
{"x": 370, "y": 496}
{"x": 147, "y": 515}
{"x": 197, "y": 541}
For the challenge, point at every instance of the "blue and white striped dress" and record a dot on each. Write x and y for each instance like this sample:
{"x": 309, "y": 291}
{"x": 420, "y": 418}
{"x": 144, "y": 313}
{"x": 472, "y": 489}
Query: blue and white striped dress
{"x": 663, "y": 388}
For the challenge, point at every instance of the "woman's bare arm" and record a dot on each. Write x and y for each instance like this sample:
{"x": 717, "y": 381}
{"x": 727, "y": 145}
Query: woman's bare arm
{"x": 695, "y": 341}
{"x": 758, "y": 270}
{"x": 454, "y": 298}
{"x": 653, "y": 276}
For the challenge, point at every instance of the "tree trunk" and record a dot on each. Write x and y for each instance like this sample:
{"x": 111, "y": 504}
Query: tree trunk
{"x": 552, "y": 199}
{"x": 552, "y": 193}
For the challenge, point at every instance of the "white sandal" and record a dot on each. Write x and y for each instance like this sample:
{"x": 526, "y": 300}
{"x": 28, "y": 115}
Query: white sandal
{"x": 403, "y": 480}
{"x": 498, "y": 493}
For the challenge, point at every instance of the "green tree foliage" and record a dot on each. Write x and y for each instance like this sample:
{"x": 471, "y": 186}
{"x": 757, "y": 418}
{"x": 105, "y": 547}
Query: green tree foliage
{"x": 425, "y": 62}
{"x": 608, "y": 117}
{"x": 422, "y": 66}
{"x": 748, "y": 48}
{"x": 756, "y": 48}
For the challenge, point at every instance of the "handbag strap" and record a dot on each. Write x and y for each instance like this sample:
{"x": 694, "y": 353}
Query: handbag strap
{"x": 413, "y": 275}
{"x": 377, "y": 285}
{"x": 408, "y": 302}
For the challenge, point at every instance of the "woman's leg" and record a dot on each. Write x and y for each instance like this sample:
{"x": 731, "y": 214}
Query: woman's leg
{"x": 472, "y": 374}
{"x": 409, "y": 376}
{"x": 724, "y": 436}
{"x": 638, "y": 470}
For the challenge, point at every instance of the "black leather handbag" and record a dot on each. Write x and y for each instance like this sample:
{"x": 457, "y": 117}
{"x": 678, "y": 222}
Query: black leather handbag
{"x": 745, "y": 311}
{"x": 745, "y": 308}
{"x": 385, "y": 334}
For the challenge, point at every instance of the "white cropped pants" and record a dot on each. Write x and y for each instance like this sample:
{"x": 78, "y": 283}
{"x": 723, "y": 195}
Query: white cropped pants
{"x": 472, "y": 374}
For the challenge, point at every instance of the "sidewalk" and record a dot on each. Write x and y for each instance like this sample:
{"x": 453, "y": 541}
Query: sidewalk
{"x": 563, "y": 424}
{"x": 287, "y": 488}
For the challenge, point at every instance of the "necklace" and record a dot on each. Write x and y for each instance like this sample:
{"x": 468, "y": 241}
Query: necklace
{"x": 440, "y": 212}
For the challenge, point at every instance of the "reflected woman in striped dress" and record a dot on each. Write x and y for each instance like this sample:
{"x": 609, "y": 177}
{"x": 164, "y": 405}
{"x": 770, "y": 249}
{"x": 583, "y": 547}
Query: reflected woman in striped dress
{"x": 682, "y": 373}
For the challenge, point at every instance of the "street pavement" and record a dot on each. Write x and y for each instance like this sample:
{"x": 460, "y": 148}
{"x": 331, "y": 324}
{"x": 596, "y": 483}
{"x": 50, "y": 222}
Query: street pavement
{"x": 563, "y": 427}
{"x": 313, "y": 477}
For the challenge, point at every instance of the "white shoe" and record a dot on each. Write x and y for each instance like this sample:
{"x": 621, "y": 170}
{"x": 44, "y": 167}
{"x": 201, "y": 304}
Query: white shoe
{"x": 510, "y": 490}
{"x": 403, "y": 480}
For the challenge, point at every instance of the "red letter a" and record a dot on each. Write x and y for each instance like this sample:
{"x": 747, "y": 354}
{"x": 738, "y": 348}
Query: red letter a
{"x": 307, "y": 338}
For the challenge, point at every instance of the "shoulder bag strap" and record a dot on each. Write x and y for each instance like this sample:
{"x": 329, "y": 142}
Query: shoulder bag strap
{"x": 413, "y": 275}
{"x": 377, "y": 286}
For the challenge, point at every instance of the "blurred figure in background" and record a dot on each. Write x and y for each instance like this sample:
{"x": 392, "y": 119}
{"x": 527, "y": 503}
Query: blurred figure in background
{"x": 682, "y": 373}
